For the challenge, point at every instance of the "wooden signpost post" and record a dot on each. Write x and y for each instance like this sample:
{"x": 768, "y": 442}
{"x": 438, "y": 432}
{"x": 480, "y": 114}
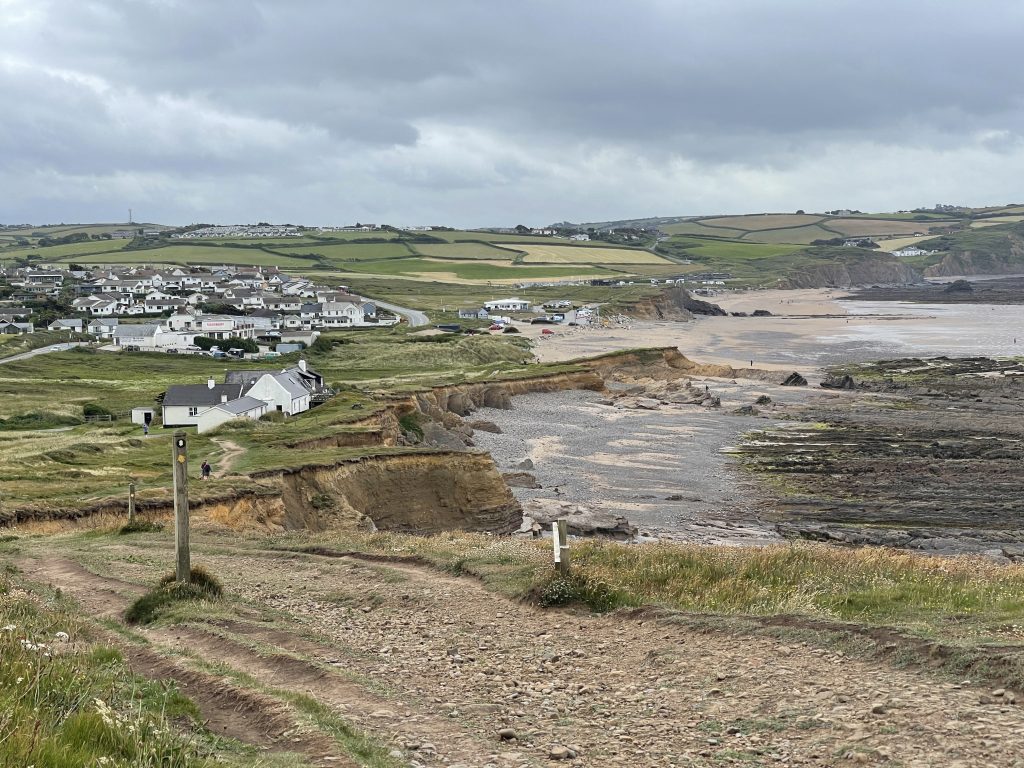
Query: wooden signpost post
{"x": 179, "y": 457}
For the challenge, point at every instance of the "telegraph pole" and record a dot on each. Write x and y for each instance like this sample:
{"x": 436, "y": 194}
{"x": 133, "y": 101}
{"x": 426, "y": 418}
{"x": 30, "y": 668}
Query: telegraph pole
{"x": 179, "y": 457}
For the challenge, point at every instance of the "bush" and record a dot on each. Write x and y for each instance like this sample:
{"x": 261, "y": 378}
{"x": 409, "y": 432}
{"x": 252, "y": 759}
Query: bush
{"x": 95, "y": 409}
{"x": 410, "y": 423}
{"x": 577, "y": 588}
{"x": 232, "y": 342}
{"x": 147, "y": 609}
{"x": 140, "y": 526}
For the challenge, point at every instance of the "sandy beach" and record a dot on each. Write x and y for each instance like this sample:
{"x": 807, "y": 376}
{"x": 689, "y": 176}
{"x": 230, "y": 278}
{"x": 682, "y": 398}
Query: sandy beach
{"x": 808, "y": 329}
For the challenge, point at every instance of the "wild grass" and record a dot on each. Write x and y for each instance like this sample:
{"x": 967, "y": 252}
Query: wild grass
{"x": 966, "y": 598}
{"x": 202, "y": 585}
{"x": 67, "y": 701}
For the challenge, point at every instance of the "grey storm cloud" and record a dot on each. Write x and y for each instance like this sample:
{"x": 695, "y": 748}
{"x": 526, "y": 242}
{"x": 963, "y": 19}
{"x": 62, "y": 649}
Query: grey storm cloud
{"x": 469, "y": 112}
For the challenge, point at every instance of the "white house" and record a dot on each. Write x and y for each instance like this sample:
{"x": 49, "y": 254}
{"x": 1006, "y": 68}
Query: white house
{"x": 507, "y": 305}
{"x": 183, "y": 403}
{"x": 284, "y": 391}
{"x": 103, "y": 327}
{"x": 581, "y": 237}
{"x": 243, "y": 408}
{"x": 138, "y": 335}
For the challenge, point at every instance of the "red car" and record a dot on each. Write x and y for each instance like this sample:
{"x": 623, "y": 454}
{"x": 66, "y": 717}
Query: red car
{"x": 547, "y": 332}
{"x": 495, "y": 327}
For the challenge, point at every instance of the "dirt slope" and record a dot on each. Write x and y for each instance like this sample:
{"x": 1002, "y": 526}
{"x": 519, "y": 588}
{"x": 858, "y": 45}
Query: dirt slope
{"x": 434, "y": 666}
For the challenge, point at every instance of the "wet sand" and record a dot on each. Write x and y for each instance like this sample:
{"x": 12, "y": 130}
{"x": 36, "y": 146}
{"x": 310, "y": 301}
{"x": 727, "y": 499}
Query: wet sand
{"x": 808, "y": 329}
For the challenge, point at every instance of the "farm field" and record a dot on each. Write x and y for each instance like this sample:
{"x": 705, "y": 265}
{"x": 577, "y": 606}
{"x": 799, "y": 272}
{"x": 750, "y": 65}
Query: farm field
{"x": 853, "y": 227}
{"x": 464, "y": 251}
{"x": 565, "y": 254}
{"x": 337, "y": 254}
{"x": 797, "y": 235}
{"x": 194, "y": 254}
{"x": 696, "y": 228}
{"x": 981, "y": 223}
{"x": 895, "y": 243}
{"x": 472, "y": 270}
{"x": 756, "y": 222}
{"x": 64, "y": 252}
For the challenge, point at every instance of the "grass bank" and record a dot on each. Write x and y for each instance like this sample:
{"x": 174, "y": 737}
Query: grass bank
{"x": 65, "y": 700}
{"x": 961, "y": 600}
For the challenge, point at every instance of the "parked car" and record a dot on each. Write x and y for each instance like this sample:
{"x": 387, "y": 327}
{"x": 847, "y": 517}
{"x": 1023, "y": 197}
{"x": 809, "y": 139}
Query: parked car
{"x": 547, "y": 332}
{"x": 495, "y": 327}
{"x": 171, "y": 351}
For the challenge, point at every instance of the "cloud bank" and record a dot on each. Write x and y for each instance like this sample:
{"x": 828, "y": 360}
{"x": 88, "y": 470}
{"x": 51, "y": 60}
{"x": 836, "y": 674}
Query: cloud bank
{"x": 468, "y": 113}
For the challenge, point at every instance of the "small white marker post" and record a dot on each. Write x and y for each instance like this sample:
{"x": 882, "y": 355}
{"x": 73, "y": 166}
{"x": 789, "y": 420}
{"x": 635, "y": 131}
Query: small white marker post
{"x": 560, "y": 541}
{"x": 131, "y": 502}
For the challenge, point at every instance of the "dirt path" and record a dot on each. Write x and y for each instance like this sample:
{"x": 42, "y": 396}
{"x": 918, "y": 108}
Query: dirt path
{"x": 230, "y": 453}
{"x": 435, "y": 666}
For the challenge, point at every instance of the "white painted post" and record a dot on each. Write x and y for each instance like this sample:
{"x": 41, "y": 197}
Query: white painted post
{"x": 555, "y": 543}
{"x": 562, "y": 561}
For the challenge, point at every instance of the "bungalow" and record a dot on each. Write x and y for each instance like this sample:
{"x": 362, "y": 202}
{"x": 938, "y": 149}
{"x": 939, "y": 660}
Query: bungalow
{"x": 473, "y": 314}
{"x": 67, "y": 324}
{"x": 157, "y": 306}
{"x": 507, "y": 305}
{"x": 243, "y": 408}
{"x": 183, "y": 403}
{"x": 138, "y": 335}
{"x": 16, "y": 329}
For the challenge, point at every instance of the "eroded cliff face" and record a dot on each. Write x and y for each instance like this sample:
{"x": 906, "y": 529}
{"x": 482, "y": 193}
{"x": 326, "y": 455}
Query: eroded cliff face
{"x": 838, "y": 275}
{"x": 977, "y": 263}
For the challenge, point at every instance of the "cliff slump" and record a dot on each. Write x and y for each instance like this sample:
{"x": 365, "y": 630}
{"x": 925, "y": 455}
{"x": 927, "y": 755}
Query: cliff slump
{"x": 670, "y": 363}
{"x": 463, "y": 399}
{"x": 674, "y": 303}
{"x": 414, "y": 493}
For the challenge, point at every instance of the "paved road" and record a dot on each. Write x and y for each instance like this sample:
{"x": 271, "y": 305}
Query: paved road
{"x": 42, "y": 351}
{"x": 414, "y": 316}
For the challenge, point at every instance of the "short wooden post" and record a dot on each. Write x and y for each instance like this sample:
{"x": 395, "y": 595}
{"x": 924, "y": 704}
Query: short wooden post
{"x": 560, "y": 540}
{"x": 131, "y": 502}
{"x": 179, "y": 457}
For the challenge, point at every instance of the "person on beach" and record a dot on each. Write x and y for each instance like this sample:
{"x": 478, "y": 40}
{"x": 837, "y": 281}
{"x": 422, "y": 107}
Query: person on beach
{"x": 206, "y": 469}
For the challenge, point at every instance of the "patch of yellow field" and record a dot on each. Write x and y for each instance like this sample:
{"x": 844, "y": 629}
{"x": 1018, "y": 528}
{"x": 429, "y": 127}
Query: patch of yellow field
{"x": 895, "y": 243}
{"x": 992, "y": 222}
{"x": 571, "y": 254}
{"x": 869, "y": 227}
{"x": 452, "y": 277}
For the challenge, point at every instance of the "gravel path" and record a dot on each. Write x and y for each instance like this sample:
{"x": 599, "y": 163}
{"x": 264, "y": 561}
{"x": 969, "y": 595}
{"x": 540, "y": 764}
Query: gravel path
{"x": 470, "y": 679}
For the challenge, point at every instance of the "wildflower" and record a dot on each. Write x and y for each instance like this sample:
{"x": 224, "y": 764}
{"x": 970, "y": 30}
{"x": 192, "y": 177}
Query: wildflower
{"x": 62, "y": 637}
{"x": 19, "y": 681}
{"x": 8, "y": 628}
{"x": 105, "y": 712}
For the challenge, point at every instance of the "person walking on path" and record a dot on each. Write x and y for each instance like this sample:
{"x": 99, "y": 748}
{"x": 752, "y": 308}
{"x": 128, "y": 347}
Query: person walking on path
{"x": 145, "y": 430}
{"x": 206, "y": 469}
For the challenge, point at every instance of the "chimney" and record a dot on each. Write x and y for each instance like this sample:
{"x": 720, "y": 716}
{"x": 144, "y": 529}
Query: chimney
{"x": 302, "y": 365}
{"x": 211, "y": 383}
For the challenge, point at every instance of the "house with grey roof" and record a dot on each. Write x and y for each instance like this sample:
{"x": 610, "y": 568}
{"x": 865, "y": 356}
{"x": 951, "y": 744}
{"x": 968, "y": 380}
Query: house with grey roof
{"x": 184, "y": 403}
{"x": 75, "y": 324}
{"x": 242, "y": 408}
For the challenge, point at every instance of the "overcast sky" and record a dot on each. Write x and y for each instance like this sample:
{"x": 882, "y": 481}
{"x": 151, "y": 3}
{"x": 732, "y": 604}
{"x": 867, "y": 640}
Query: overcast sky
{"x": 480, "y": 112}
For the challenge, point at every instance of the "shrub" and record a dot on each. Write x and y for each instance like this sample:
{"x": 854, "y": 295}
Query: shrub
{"x": 95, "y": 409}
{"x": 140, "y": 526}
{"x": 147, "y": 609}
{"x": 577, "y": 588}
{"x": 410, "y": 424}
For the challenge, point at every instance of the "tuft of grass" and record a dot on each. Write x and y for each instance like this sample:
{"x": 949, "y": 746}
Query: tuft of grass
{"x": 140, "y": 526}
{"x": 149, "y": 607}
